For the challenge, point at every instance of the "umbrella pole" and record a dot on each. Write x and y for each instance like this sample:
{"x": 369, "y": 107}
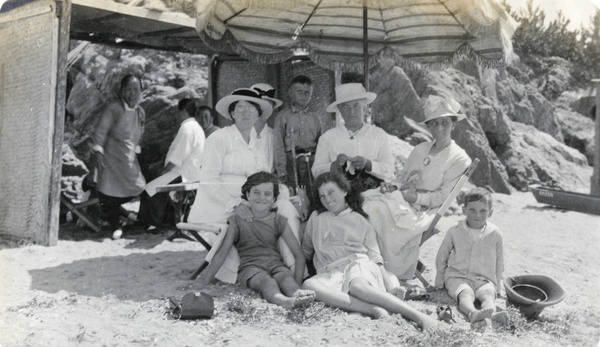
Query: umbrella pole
{"x": 365, "y": 45}
{"x": 595, "y": 181}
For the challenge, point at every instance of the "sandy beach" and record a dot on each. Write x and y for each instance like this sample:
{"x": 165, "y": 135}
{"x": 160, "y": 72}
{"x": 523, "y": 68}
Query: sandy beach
{"x": 92, "y": 291}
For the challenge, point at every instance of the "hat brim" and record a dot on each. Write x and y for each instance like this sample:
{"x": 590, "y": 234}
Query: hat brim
{"x": 458, "y": 116}
{"x": 276, "y": 101}
{"x": 370, "y": 96}
{"x": 222, "y": 106}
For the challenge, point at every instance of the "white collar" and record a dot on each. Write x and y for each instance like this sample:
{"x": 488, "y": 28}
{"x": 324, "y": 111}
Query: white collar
{"x": 127, "y": 108}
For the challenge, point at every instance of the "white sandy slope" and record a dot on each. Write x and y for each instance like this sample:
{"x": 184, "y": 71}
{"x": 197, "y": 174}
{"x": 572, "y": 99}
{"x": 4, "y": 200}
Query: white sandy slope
{"x": 113, "y": 293}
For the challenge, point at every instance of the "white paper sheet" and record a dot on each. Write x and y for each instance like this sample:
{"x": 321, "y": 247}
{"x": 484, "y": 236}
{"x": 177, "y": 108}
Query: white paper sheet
{"x": 160, "y": 181}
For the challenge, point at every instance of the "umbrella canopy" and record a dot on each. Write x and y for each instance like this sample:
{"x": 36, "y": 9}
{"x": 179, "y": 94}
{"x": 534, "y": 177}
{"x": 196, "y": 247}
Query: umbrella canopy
{"x": 433, "y": 33}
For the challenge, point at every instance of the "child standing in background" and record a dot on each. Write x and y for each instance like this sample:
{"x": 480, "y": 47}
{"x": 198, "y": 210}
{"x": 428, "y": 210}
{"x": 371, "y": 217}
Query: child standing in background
{"x": 470, "y": 260}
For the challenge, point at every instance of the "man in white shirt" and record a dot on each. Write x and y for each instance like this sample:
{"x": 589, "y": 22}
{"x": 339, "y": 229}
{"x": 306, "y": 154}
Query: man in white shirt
{"x": 354, "y": 148}
{"x": 183, "y": 159}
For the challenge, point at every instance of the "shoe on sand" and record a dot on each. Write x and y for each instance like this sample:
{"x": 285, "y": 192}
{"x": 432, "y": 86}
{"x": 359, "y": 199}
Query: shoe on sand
{"x": 117, "y": 234}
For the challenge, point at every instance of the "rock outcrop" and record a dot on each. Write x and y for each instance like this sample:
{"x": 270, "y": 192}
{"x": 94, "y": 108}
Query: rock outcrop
{"x": 534, "y": 157}
{"x": 578, "y": 132}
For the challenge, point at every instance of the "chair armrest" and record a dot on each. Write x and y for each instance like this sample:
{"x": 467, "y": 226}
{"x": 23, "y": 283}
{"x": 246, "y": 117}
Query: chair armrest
{"x": 180, "y": 187}
{"x": 199, "y": 227}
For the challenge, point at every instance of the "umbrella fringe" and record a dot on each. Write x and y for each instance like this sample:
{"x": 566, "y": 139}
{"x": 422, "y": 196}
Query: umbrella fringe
{"x": 350, "y": 65}
{"x": 228, "y": 40}
{"x": 465, "y": 51}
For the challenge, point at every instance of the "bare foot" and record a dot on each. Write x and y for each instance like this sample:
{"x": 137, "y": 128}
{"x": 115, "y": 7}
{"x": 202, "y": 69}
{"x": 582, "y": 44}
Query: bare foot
{"x": 380, "y": 313}
{"x": 479, "y": 315}
{"x": 303, "y": 298}
{"x": 501, "y": 317}
{"x": 304, "y": 292}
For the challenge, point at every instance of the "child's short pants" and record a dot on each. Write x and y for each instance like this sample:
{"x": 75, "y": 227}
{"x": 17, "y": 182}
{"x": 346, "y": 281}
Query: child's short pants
{"x": 340, "y": 278}
{"x": 456, "y": 285}
{"x": 245, "y": 274}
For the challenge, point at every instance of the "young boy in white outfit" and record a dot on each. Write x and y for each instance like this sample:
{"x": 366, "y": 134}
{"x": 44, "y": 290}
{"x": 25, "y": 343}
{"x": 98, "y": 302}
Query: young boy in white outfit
{"x": 470, "y": 260}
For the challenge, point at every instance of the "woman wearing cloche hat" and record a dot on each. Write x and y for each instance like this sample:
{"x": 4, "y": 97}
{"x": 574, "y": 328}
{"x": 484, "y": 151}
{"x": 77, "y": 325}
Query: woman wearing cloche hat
{"x": 231, "y": 154}
{"x": 429, "y": 174}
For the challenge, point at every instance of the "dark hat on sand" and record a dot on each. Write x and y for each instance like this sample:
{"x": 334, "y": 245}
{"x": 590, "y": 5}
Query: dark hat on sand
{"x": 532, "y": 293}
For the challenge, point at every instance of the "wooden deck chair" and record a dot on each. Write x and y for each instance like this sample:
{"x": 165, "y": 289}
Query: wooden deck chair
{"x": 76, "y": 208}
{"x": 190, "y": 231}
{"x": 181, "y": 197}
{"x": 442, "y": 210}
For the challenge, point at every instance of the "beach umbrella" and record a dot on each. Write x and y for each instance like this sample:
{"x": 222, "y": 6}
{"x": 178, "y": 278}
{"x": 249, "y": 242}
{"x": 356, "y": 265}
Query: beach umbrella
{"x": 354, "y": 35}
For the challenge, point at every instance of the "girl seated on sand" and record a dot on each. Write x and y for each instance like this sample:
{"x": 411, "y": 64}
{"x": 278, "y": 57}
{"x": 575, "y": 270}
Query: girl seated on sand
{"x": 343, "y": 246}
{"x": 261, "y": 264}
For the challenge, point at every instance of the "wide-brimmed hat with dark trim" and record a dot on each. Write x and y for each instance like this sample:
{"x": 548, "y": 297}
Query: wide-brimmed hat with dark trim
{"x": 349, "y": 92}
{"x": 438, "y": 107}
{"x": 267, "y": 92}
{"x": 244, "y": 94}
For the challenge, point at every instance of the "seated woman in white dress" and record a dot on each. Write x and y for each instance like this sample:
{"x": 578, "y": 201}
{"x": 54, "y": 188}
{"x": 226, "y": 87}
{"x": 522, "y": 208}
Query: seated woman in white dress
{"x": 231, "y": 154}
{"x": 429, "y": 174}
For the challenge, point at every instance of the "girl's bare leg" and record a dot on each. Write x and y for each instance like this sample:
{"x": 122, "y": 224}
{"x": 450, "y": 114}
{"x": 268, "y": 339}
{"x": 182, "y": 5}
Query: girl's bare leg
{"x": 361, "y": 289}
{"x": 488, "y": 301}
{"x": 342, "y": 300}
{"x": 290, "y": 288}
{"x": 466, "y": 300}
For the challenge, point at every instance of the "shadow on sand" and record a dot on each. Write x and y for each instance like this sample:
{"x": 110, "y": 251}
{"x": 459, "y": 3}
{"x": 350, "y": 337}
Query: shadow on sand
{"x": 136, "y": 277}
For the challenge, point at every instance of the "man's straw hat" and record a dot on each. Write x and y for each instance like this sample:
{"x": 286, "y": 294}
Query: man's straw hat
{"x": 348, "y": 92}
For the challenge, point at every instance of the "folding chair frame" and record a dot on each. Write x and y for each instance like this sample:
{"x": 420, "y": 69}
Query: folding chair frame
{"x": 442, "y": 210}
{"x": 182, "y": 208}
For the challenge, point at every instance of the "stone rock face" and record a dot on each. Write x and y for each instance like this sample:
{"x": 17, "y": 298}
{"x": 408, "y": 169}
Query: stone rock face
{"x": 524, "y": 103}
{"x": 396, "y": 99}
{"x": 536, "y": 157}
{"x": 73, "y": 169}
{"x": 555, "y": 77}
{"x": 490, "y": 172}
{"x": 71, "y": 165}
{"x": 585, "y": 106}
{"x": 578, "y": 132}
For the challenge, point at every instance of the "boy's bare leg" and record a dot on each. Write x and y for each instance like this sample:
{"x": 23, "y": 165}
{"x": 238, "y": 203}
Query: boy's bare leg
{"x": 488, "y": 301}
{"x": 290, "y": 288}
{"x": 361, "y": 288}
{"x": 466, "y": 305}
{"x": 268, "y": 287}
{"x": 343, "y": 300}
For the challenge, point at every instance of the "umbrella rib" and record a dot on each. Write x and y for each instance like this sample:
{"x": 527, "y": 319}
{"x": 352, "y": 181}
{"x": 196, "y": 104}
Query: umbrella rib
{"x": 234, "y": 15}
{"x": 383, "y": 22}
{"x": 453, "y": 16}
{"x": 307, "y": 19}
